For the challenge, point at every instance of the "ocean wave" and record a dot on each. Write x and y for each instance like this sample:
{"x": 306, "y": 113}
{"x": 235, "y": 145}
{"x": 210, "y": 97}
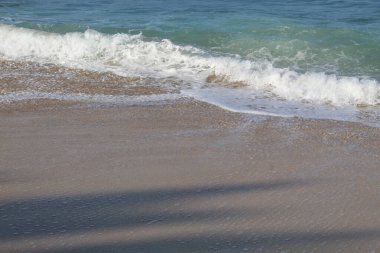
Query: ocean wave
{"x": 128, "y": 55}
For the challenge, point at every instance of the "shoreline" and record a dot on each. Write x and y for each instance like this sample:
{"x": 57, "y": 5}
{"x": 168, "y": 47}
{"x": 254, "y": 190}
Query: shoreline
{"x": 185, "y": 177}
{"x": 38, "y": 85}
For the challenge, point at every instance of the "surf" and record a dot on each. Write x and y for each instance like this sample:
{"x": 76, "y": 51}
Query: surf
{"x": 127, "y": 55}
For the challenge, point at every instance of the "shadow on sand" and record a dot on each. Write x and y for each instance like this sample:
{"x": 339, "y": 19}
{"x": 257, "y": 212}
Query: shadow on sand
{"x": 128, "y": 210}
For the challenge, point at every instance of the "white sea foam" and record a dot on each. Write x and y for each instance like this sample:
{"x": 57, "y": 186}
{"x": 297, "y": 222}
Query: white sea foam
{"x": 132, "y": 55}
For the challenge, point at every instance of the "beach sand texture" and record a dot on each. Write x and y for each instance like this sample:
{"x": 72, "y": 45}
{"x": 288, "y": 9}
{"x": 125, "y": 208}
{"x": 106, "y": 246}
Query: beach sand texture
{"x": 185, "y": 177}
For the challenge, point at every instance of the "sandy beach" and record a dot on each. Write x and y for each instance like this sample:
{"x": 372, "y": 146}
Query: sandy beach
{"x": 193, "y": 126}
{"x": 185, "y": 177}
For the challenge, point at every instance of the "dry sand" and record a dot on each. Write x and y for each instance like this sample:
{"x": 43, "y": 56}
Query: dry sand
{"x": 185, "y": 177}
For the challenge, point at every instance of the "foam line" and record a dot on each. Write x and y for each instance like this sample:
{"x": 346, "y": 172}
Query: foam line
{"x": 126, "y": 54}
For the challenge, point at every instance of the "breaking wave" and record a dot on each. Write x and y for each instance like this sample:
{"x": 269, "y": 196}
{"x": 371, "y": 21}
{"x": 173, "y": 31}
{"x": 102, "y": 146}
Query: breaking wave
{"x": 127, "y": 55}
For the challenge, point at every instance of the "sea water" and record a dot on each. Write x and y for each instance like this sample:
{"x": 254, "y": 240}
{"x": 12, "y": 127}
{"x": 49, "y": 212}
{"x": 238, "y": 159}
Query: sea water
{"x": 315, "y": 59}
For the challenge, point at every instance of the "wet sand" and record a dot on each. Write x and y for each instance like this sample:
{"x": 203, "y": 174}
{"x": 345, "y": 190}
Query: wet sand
{"x": 185, "y": 177}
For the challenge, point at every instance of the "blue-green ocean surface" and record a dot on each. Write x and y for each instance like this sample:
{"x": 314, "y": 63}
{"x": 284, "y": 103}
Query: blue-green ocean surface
{"x": 306, "y": 58}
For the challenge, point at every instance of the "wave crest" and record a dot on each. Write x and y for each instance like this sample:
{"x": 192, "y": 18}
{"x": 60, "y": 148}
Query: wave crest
{"x": 126, "y": 54}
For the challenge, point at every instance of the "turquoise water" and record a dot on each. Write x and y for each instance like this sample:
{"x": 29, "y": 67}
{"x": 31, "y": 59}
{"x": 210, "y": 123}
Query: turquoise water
{"x": 334, "y": 36}
{"x": 319, "y": 52}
